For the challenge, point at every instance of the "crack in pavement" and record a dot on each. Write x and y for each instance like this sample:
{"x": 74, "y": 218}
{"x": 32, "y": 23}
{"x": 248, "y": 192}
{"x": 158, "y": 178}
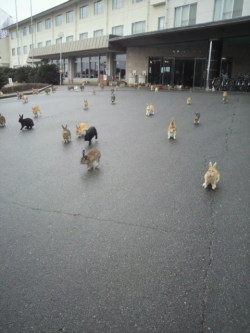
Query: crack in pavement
{"x": 211, "y": 236}
{"x": 90, "y": 217}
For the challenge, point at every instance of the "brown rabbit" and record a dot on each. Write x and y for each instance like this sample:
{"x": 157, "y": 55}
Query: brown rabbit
{"x": 36, "y": 110}
{"x": 90, "y": 158}
{"x": 212, "y": 176}
{"x": 189, "y": 101}
{"x": 172, "y": 130}
{"x": 225, "y": 97}
{"x": 85, "y": 104}
{"x": 2, "y": 120}
{"x": 197, "y": 116}
{"x": 66, "y": 134}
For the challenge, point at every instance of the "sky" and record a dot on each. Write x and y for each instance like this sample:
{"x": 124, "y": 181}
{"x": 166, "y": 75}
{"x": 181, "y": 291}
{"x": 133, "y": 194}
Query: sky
{"x": 24, "y": 7}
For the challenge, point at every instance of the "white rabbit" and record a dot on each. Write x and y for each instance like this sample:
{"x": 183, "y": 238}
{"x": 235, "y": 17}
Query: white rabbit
{"x": 150, "y": 110}
{"x": 25, "y": 98}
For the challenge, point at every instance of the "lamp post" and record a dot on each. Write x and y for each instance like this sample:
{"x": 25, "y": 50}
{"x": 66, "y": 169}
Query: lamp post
{"x": 60, "y": 35}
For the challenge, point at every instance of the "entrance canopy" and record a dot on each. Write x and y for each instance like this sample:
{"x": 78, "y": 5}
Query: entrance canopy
{"x": 206, "y": 31}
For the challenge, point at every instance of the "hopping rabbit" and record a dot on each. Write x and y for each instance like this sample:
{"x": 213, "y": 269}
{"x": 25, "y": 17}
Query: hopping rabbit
{"x": 27, "y": 122}
{"x": 90, "y": 133}
{"x": 172, "y": 130}
{"x": 2, "y": 121}
{"x": 25, "y": 98}
{"x": 66, "y": 134}
{"x": 189, "y": 101}
{"x": 112, "y": 99}
{"x": 93, "y": 156}
{"x": 85, "y": 104}
{"x": 225, "y": 97}
{"x": 81, "y": 129}
{"x": 36, "y": 110}
{"x": 197, "y": 116}
{"x": 212, "y": 176}
{"x": 150, "y": 110}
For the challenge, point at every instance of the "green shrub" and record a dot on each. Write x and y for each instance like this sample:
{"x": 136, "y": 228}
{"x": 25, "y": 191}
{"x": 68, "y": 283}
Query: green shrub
{"x": 48, "y": 74}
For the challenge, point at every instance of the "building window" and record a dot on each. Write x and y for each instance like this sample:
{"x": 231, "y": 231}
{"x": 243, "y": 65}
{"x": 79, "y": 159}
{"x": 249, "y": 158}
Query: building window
{"x": 120, "y": 62}
{"x": 40, "y": 44}
{"x": 85, "y": 67}
{"x": 30, "y": 29}
{"x": 83, "y": 13}
{"x": 69, "y": 39}
{"x": 83, "y": 35}
{"x": 136, "y": 1}
{"x": 13, "y": 34}
{"x": 94, "y": 65}
{"x": 69, "y": 17}
{"x": 13, "y": 52}
{"x": 58, "y": 40}
{"x": 161, "y": 23}
{"x": 185, "y": 15}
{"x": 117, "y": 4}
{"x": 18, "y": 50}
{"x": 48, "y": 23}
{"x": 58, "y": 20}
{"x": 48, "y": 42}
{"x": 25, "y": 49}
{"x": 138, "y": 27}
{"x": 227, "y": 9}
{"x": 24, "y": 31}
{"x": 39, "y": 26}
{"x": 118, "y": 30}
{"x": 31, "y": 46}
{"x": 98, "y": 7}
{"x": 98, "y": 33}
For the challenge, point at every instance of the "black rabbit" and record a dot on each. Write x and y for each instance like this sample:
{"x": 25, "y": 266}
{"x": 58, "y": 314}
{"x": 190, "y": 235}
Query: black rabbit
{"x": 27, "y": 122}
{"x": 90, "y": 133}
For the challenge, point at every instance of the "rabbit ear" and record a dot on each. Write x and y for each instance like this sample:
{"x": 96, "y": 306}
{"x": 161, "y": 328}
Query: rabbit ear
{"x": 210, "y": 164}
{"x": 214, "y": 166}
{"x": 83, "y": 152}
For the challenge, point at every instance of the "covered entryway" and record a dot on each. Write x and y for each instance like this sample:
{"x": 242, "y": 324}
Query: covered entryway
{"x": 177, "y": 71}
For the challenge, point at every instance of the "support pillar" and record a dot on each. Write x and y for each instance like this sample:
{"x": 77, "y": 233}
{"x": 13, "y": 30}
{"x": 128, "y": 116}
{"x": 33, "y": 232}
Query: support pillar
{"x": 71, "y": 69}
{"x": 214, "y": 59}
{"x": 110, "y": 68}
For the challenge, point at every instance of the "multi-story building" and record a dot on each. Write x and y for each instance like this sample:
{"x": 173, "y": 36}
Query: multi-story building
{"x": 185, "y": 42}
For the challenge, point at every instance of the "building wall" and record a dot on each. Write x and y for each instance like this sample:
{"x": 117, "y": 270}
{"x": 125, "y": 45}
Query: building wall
{"x": 137, "y": 57}
{"x": 4, "y": 53}
{"x": 146, "y": 10}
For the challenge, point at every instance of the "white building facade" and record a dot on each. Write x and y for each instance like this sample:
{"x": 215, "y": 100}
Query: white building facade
{"x": 135, "y": 40}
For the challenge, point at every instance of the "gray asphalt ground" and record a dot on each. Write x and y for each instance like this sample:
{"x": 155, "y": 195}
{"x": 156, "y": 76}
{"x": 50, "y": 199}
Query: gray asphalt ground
{"x": 137, "y": 245}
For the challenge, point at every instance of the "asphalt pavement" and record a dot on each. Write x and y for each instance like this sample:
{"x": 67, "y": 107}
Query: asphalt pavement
{"x": 137, "y": 245}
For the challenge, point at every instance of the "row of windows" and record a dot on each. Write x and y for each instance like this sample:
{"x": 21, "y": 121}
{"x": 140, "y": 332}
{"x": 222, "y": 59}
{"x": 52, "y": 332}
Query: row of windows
{"x": 137, "y": 27}
{"x": 184, "y": 16}
{"x": 69, "y": 16}
{"x": 223, "y": 9}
